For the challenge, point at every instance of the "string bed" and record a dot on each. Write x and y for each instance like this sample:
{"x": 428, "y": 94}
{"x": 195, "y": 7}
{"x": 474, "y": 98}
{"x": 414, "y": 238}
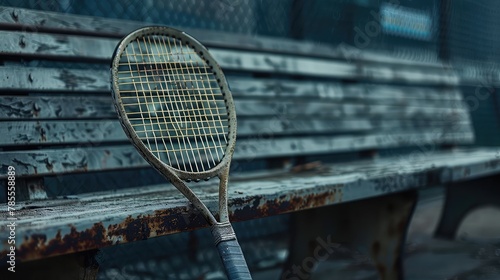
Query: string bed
{"x": 173, "y": 102}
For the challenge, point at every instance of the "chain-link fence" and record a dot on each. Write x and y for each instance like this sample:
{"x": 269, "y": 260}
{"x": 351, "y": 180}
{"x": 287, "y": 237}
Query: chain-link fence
{"x": 474, "y": 36}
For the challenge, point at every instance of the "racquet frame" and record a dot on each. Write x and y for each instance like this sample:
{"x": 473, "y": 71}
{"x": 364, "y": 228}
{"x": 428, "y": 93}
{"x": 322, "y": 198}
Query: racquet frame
{"x": 220, "y": 228}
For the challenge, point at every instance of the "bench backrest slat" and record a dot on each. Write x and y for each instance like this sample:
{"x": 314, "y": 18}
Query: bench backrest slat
{"x": 92, "y": 49}
{"x": 50, "y": 22}
{"x": 75, "y": 132}
{"x": 85, "y": 157}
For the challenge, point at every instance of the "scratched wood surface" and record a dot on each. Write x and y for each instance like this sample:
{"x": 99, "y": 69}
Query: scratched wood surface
{"x": 99, "y": 107}
{"x": 39, "y": 21}
{"x": 78, "y": 80}
{"x": 102, "y": 132}
{"x": 90, "y": 156}
{"x": 81, "y": 48}
{"x": 46, "y": 79}
{"x": 338, "y": 183}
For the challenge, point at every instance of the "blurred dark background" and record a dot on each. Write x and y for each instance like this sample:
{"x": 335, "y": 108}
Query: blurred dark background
{"x": 463, "y": 33}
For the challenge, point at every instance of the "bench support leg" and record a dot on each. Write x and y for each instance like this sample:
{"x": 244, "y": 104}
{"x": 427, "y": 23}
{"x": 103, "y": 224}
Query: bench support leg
{"x": 376, "y": 226}
{"x": 463, "y": 197}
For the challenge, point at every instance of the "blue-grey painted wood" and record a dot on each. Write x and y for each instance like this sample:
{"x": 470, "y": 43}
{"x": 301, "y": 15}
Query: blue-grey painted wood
{"x": 89, "y": 156}
{"x": 335, "y": 183}
{"x": 41, "y": 21}
{"x": 81, "y": 48}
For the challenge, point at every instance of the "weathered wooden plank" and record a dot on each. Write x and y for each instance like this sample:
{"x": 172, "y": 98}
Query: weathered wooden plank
{"x": 284, "y": 109}
{"x": 258, "y": 148}
{"x": 85, "y": 158}
{"x": 57, "y": 46}
{"x": 477, "y": 75}
{"x": 337, "y": 91}
{"x": 50, "y": 132}
{"x": 80, "y": 48}
{"x": 48, "y": 79}
{"x": 105, "y": 131}
{"x": 40, "y": 21}
{"x": 67, "y": 80}
{"x": 266, "y": 128}
{"x": 56, "y": 107}
{"x": 335, "y": 111}
{"x": 116, "y": 215}
{"x": 234, "y": 60}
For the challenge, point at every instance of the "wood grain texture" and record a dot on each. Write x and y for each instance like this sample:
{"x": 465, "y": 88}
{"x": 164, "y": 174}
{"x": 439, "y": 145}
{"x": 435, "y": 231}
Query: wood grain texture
{"x": 20, "y": 134}
{"x": 41, "y": 21}
{"x": 254, "y": 87}
{"x": 58, "y": 46}
{"x": 56, "y": 107}
{"x": 67, "y": 80}
{"x": 48, "y": 79}
{"x": 146, "y": 206}
{"x": 81, "y": 48}
{"x": 85, "y": 157}
{"x": 286, "y": 109}
{"x": 234, "y": 60}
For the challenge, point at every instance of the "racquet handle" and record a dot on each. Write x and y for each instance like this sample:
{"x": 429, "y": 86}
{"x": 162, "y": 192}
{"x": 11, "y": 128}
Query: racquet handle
{"x": 233, "y": 260}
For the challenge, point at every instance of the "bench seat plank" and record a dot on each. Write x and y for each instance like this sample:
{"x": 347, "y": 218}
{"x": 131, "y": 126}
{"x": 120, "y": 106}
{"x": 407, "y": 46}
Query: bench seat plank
{"x": 84, "y": 157}
{"x": 57, "y": 227}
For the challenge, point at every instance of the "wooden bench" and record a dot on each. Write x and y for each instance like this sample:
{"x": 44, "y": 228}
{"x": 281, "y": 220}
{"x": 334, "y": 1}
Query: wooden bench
{"x": 317, "y": 126}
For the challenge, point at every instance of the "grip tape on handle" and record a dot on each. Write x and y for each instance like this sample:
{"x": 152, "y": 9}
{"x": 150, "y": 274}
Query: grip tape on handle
{"x": 233, "y": 260}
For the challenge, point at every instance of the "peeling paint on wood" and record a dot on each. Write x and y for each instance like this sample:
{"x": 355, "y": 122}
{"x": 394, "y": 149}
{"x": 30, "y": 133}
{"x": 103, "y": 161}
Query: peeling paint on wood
{"x": 66, "y": 47}
{"x": 67, "y": 80}
{"x": 102, "y": 132}
{"x": 56, "y": 107}
{"x": 41, "y": 21}
{"x": 56, "y": 45}
{"x": 48, "y": 79}
{"x": 86, "y": 158}
{"x": 271, "y": 106}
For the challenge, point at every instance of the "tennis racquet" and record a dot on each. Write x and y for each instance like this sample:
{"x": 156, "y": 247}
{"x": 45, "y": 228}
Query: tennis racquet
{"x": 175, "y": 105}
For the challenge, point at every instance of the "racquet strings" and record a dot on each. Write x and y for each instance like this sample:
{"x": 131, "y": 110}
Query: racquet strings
{"x": 174, "y": 102}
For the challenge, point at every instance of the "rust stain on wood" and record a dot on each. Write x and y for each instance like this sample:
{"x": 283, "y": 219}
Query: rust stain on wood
{"x": 160, "y": 222}
{"x": 259, "y": 206}
{"x": 38, "y": 245}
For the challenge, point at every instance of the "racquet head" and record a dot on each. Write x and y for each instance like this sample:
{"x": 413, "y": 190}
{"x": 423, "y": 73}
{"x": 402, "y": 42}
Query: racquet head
{"x": 174, "y": 102}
